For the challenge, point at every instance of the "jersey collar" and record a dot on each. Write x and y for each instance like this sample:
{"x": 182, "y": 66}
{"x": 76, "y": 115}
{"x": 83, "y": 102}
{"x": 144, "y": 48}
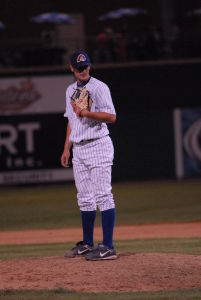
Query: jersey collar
{"x": 83, "y": 83}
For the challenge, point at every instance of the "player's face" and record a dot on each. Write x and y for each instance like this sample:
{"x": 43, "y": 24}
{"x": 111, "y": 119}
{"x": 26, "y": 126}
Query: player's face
{"x": 81, "y": 74}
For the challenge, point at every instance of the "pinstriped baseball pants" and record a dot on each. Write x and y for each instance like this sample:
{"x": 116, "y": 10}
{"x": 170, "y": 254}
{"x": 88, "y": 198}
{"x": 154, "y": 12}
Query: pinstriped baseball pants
{"x": 92, "y": 168}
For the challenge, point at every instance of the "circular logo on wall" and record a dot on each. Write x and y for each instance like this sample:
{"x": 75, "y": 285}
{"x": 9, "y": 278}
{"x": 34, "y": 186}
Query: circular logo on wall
{"x": 192, "y": 140}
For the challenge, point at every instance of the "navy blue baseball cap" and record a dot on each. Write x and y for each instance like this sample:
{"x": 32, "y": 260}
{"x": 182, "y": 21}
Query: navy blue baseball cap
{"x": 80, "y": 59}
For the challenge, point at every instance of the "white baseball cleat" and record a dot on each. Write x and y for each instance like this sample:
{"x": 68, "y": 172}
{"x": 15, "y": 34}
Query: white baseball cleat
{"x": 101, "y": 253}
{"x": 79, "y": 250}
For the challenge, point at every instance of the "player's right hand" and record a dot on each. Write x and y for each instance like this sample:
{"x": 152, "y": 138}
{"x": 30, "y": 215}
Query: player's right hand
{"x": 65, "y": 158}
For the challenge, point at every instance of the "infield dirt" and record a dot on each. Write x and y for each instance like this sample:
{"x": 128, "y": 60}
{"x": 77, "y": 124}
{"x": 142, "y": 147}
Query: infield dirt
{"x": 130, "y": 272}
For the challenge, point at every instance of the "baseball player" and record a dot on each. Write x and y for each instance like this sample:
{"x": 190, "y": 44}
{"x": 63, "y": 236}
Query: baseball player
{"x": 89, "y": 107}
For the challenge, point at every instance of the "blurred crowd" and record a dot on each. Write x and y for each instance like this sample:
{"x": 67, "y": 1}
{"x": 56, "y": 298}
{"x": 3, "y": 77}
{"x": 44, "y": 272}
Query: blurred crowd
{"x": 109, "y": 46}
{"x": 151, "y": 44}
{"x": 31, "y": 52}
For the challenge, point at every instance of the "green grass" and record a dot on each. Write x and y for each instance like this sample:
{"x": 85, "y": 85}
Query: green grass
{"x": 173, "y": 245}
{"x": 136, "y": 203}
{"x": 158, "y": 202}
{"x": 61, "y": 294}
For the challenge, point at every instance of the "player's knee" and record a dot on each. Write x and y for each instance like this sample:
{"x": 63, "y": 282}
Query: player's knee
{"x": 86, "y": 204}
{"x": 105, "y": 200}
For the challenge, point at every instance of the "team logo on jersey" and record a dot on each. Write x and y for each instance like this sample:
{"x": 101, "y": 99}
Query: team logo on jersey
{"x": 81, "y": 57}
{"x": 16, "y": 98}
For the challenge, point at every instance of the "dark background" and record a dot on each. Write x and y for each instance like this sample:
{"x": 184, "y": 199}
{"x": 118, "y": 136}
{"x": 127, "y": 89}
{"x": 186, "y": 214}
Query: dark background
{"x": 145, "y": 90}
{"x": 17, "y": 13}
{"x": 161, "y": 14}
{"x": 156, "y": 87}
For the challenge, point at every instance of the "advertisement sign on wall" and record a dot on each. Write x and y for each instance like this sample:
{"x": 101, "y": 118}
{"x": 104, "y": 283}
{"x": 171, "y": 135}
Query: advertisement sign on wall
{"x": 32, "y": 129}
{"x": 188, "y": 142}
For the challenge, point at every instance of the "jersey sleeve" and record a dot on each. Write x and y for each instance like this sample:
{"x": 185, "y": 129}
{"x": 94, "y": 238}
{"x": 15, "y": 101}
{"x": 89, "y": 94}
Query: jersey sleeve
{"x": 104, "y": 100}
{"x": 69, "y": 110}
{"x": 66, "y": 114}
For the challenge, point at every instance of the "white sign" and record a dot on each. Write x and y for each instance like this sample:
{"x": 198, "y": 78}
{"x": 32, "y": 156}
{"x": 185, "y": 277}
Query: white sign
{"x": 37, "y": 94}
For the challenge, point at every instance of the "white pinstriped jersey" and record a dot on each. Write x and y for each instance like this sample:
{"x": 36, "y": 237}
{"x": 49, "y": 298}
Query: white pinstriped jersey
{"x": 85, "y": 128}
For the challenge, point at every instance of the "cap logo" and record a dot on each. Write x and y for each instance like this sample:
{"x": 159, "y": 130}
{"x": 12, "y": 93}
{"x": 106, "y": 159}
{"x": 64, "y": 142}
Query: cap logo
{"x": 81, "y": 57}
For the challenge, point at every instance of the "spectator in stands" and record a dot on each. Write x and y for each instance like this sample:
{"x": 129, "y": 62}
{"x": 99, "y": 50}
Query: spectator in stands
{"x": 152, "y": 44}
{"x": 120, "y": 47}
{"x": 171, "y": 36}
{"x": 104, "y": 51}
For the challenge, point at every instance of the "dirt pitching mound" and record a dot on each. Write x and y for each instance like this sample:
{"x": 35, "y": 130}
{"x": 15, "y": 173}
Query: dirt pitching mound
{"x": 130, "y": 272}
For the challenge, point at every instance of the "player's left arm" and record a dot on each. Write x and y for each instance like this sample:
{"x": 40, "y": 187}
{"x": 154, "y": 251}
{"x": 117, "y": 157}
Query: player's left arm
{"x": 106, "y": 111}
{"x": 99, "y": 116}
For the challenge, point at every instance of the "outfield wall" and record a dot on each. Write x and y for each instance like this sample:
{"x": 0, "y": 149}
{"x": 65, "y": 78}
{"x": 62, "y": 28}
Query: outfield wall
{"x": 147, "y": 135}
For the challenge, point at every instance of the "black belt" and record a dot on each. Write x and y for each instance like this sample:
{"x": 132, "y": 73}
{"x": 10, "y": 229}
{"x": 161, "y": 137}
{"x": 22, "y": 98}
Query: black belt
{"x": 86, "y": 141}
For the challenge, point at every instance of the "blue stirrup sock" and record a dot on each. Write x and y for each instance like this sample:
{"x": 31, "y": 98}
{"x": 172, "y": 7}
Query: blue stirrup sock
{"x": 108, "y": 220}
{"x": 88, "y": 220}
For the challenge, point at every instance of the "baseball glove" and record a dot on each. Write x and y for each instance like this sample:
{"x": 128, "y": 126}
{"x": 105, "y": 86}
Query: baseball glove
{"x": 81, "y": 100}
